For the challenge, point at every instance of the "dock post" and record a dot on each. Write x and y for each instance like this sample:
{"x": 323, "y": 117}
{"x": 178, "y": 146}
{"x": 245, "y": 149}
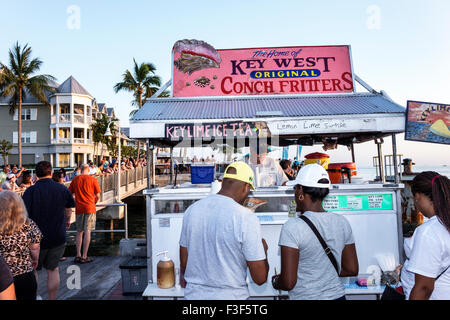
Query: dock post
{"x": 394, "y": 152}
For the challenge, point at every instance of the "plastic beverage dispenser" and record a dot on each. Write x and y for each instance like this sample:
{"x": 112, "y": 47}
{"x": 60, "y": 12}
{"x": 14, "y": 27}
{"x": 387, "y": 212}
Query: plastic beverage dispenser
{"x": 165, "y": 273}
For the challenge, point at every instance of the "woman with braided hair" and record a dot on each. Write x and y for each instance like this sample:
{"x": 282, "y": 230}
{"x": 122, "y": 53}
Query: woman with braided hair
{"x": 426, "y": 274}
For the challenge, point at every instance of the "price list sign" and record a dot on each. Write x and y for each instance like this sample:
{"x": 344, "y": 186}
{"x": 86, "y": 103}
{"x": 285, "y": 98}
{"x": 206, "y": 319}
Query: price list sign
{"x": 358, "y": 202}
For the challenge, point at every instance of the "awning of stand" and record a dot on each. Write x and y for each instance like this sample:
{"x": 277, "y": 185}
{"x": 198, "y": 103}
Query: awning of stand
{"x": 387, "y": 115}
{"x": 254, "y": 107}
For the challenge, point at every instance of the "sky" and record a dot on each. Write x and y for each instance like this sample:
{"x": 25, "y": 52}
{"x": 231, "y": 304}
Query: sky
{"x": 401, "y": 46}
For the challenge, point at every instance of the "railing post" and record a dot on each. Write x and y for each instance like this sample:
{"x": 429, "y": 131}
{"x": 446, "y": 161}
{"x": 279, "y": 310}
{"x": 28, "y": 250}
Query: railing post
{"x": 126, "y": 181}
{"x": 115, "y": 184}
{"x": 135, "y": 177}
{"x": 101, "y": 188}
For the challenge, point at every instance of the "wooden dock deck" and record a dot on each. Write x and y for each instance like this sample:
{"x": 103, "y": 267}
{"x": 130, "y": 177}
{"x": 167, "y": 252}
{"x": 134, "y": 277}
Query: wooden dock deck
{"x": 100, "y": 280}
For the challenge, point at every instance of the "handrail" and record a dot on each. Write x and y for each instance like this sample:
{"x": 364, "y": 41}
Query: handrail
{"x": 121, "y": 204}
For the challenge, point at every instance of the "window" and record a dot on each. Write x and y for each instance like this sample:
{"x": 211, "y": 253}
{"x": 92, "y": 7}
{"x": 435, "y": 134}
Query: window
{"x": 27, "y": 114}
{"x": 64, "y": 133}
{"x": 64, "y": 159}
{"x": 27, "y": 137}
{"x": 78, "y": 133}
{"x": 78, "y": 109}
{"x": 64, "y": 108}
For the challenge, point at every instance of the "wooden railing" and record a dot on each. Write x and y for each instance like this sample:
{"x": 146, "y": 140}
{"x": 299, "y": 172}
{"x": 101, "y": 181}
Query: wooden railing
{"x": 131, "y": 181}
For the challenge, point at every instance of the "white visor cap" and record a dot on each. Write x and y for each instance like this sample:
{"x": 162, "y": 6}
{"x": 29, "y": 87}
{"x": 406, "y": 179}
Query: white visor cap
{"x": 310, "y": 175}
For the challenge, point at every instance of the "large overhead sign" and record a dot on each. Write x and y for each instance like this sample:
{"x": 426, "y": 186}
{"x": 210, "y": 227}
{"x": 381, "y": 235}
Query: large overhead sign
{"x": 200, "y": 70}
{"x": 427, "y": 122}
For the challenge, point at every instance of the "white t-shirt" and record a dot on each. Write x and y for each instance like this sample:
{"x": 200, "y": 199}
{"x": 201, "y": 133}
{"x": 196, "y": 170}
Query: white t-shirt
{"x": 7, "y": 185}
{"x": 317, "y": 278}
{"x": 428, "y": 254}
{"x": 220, "y": 236}
{"x": 268, "y": 173}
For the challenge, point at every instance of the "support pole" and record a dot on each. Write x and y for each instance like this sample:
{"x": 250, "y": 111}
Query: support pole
{"x": 153, "y": 168}
{"x": 353, "y": 152}
{"x": 394, "y": 153}
{"x": 171, "y": 166}
{"x": 380, "y": 160}
{"x": 148, "y": 163}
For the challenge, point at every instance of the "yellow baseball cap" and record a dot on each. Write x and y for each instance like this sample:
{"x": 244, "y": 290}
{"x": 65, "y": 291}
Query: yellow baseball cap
{"x": 243, "y": 173}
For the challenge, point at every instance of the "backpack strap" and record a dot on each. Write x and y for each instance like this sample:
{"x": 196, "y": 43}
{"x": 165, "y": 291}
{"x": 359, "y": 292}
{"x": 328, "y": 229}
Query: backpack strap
{"x": 322, "y": 242}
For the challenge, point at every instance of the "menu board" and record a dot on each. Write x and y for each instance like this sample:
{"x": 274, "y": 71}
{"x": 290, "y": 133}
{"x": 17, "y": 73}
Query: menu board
{"x": 358, "y": 202}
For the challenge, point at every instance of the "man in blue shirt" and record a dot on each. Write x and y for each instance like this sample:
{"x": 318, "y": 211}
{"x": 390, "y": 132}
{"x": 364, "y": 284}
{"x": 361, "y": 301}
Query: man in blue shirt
{"x": 49, "y": 205}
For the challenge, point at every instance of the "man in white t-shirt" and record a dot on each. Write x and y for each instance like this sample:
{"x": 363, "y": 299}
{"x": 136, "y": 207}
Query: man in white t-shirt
{"x": 220, "y": 238}
{"x": 268, "y": 172}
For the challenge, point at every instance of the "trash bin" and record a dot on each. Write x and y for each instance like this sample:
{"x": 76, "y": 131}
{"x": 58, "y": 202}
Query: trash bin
{"x": 134, "y": 275}
{"x": 322, "y": 159}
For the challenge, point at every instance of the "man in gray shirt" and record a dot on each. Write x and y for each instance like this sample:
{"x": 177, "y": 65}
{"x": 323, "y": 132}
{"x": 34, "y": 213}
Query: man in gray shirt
{"x": 220, "y": 238}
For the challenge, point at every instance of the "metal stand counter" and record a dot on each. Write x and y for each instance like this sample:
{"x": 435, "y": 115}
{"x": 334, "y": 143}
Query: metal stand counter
{"x": 373, "y": 211}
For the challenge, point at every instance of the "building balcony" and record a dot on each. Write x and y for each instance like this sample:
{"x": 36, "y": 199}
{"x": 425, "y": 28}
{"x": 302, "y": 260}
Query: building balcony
{"x": 66, "y": 118}
{"x": 67, "y": 141}
{"x": 60, "y": 140}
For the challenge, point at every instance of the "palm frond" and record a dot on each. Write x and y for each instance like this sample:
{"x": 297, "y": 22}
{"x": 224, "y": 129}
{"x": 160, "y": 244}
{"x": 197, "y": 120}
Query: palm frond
{"x": 133, "y": 112}
{"x": 39, "y": 85}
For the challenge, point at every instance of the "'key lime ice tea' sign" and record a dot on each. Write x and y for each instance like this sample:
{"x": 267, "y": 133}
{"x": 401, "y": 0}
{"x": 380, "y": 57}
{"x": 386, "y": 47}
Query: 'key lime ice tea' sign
{"x": 358, "y": 202}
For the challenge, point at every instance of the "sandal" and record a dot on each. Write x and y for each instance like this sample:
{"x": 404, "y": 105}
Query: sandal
{"x": 78, "y": 260}
{"x": 87, "y": 260}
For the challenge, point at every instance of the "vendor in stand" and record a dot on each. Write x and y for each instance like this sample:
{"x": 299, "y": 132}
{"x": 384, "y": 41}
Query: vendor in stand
{"x": 268, "y": 172}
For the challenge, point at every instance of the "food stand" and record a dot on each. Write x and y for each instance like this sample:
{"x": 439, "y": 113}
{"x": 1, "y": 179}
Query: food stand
{"x": 373, "y": 209}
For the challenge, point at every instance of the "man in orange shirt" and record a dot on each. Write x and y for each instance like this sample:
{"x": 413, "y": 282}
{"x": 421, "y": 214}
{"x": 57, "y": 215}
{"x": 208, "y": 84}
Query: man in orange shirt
{"x": 86, "y": 191}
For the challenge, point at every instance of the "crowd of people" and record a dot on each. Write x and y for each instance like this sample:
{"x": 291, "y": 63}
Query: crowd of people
{"x": 14, "y": 179}
{"x": 33, "y": 227}
{"x": 221, "y": 239}
{"x": 106, "y": 168}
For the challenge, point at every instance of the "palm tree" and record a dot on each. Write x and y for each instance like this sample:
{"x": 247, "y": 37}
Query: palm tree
{"x": 5, "y": 147}
{"x": 99, "y": 127}
{"x": 17, "y": 80}
{"x": 143, "y": 82}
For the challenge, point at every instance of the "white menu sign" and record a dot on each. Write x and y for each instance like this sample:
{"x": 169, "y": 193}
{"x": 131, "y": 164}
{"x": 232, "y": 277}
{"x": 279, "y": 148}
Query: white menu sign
{"x": 321, "y": 126}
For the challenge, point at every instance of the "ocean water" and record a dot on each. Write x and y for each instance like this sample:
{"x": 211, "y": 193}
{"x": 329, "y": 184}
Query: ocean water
{"x": 370, "y": 172}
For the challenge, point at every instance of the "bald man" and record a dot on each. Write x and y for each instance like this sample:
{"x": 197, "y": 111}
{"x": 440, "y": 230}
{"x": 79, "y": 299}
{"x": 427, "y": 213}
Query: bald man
{"x": 220, "y": 239}
{"x": 86, "y": 190}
